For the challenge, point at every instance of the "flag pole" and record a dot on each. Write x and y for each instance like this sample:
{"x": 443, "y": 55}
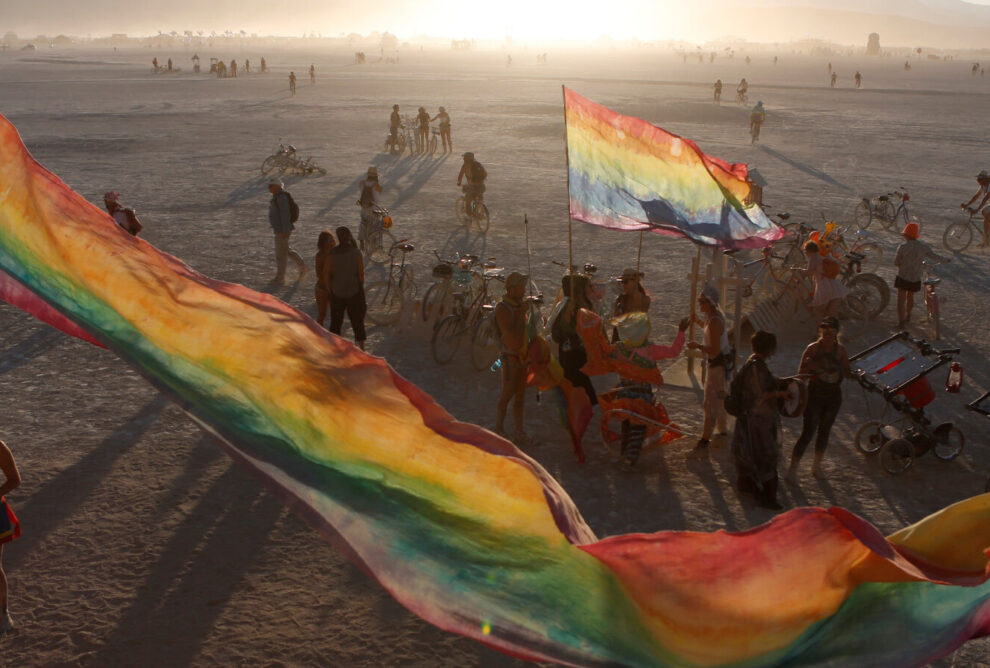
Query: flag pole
{"x": 570, "y": 223}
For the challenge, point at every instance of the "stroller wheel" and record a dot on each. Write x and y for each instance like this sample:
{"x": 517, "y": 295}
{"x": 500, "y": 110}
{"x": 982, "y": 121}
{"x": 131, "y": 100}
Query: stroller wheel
{"x": 897, "y": 455}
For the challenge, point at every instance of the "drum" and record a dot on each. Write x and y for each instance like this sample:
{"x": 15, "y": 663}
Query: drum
{"x": 797, "y": 397}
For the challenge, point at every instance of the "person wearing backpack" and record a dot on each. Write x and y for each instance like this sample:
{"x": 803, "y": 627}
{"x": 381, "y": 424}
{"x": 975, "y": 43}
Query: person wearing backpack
{"x": 368, "y": 200}
{"x": 473, "y": 173}
{"x": 283, "y": 212}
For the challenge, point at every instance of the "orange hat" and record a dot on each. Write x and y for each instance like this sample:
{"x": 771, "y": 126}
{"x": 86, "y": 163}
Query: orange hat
{"x": 910, "y": 231}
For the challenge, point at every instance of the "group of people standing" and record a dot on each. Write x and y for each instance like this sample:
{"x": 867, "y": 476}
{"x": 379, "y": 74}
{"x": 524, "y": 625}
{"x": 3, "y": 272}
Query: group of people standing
{"x": 422, "y": 129}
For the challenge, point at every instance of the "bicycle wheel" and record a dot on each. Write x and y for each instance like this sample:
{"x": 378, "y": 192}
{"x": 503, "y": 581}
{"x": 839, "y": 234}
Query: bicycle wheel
{"x": 460, "y": 211}
{"x": 854, "y": 311}
{"x": 863, "y": 215}
{"x": 949, "y": 442}
{"x": 872, "y": 291}
{"x": 785, "y": 297}
{"x": 957, "y": 237}
{"x": 484, "y": 343}
{"x": 904, "y": 214}
{"x": 872, "y": 256}
{"x": 269, "y": 164}
{"x": 896, "y": 455}
{"x": 433, "y": 145}
{"x": 868, "y": 438}
{"x": 887, "y": 214}
{"x": 388, "y": 144}
{"x": 479, "y": 216}
{"x": 384, "y": 302}
{"x": 932, "y": 306}
{"x": 400, "y": 145}
{"x": 446, "y": 339}
{"x": 376, "y": 246}
{"x": 435, "y": 302}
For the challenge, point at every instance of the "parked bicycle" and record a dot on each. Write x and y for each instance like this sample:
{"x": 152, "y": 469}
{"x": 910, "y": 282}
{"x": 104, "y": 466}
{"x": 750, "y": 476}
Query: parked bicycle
{"x": 285, "y": 160}
{"x": 476, "y": 215}
{"x": 958, "y": 236}
{"x": 882, "y": 210}
{"x": 458, "y": 275}
{"x": 434, "y": 140}
{"x": 386, "y": 298}
{"x": 375, "y": 236}
{"x": 933, "y": 304}
{"x": 467, "y": 316}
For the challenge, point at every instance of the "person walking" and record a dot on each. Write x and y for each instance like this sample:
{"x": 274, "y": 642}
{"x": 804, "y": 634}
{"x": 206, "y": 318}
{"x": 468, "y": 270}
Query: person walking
{"x": 718, "y": 357}
{"x": 510, "y": 318}
{"x": 717, "y": 92}
{"x": 910, "y": 263}
{"x": 312, "y": 74}
{"x": 125, "y": 217}
{"x": 755, "y": 449}
{"x": 292, "y": 82}
{"x": 827, "y": 362}
{"x": 280, "y": 217}
{"x": 344, "y": 278}
{"x": 9, "y": 528}
{"x": 369, "y": 188}
{"x": 324, "y": 244}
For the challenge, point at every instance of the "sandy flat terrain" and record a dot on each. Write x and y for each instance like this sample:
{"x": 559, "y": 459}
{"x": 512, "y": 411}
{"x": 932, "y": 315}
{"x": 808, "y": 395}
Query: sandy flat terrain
{"x": 145, "y": 545}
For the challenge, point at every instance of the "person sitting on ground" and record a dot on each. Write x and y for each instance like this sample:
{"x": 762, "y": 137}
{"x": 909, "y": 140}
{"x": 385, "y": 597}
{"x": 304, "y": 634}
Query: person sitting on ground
{"x": 444, "y": 117}
{"x": 756, "y": 119}
{"x": 824, "y": 272}
{"x": 324, "y": 244}
{"x": 827, "y": 362}
{"x": 123, "y": 216}
{"x": 984, "y": 192}
{"x": 755, "y": 448}
{"x": 510, "y": 318}
{"x": 910, "y": 263}
{"x": 9, "y": 527}
{"x": 473, "y": 174}
{"x": 368, "y": 201}
{"x": 718, "y": 359}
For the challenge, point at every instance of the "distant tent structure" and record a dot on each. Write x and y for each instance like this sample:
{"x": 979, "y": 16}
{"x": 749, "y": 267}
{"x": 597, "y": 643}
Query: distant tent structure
{"x": 873, "y": 44}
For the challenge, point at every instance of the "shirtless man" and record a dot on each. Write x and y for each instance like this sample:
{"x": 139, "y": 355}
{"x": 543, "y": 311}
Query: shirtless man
{"x": 718, "y": 355}
{"x": 510, "y": 316}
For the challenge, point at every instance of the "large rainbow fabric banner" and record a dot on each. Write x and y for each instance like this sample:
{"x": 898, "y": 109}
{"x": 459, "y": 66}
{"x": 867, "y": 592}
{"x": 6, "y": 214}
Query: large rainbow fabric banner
{"x": 627, "y": 174}
{"x": 456, "y": 523}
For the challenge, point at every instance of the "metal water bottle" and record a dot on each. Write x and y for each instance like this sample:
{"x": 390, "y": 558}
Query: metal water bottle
{"x": 953, "y": 382}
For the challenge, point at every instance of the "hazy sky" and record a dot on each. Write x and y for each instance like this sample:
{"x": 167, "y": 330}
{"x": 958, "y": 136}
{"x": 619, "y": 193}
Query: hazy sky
{"x": 523, "y": 20}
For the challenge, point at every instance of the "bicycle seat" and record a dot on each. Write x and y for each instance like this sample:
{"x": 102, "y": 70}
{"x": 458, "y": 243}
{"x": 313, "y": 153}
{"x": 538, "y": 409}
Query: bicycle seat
{"x": 590, "y": 267}
{"x": 291, "y": 148}
{"x": 884, "y": 198}
{"x": 536, "y": 299}
{"x": 495, "y": 272}
{"x": 783, "y": 215}
{"x": 487, "y": 308}
{"x": 932, "y": 281}
{"x": 473, "y": 259}
{"x": 405, "y": 248}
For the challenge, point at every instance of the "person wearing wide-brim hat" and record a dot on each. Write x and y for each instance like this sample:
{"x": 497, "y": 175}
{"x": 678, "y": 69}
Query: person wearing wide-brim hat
{"x": 633, "y": 296}
{"x": 984, "y": 192}
{"x": 510, "y": 318}
{"x": 826, "y": 362}
{"x": 910, "y": 263}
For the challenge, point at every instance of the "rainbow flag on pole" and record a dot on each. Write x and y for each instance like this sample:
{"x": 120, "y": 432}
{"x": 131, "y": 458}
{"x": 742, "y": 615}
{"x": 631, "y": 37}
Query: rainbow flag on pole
{"x": 627, "y": 174}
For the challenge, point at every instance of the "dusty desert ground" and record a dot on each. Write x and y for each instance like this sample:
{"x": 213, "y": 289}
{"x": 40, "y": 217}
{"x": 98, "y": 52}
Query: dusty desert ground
{"x": 144, "y": 545}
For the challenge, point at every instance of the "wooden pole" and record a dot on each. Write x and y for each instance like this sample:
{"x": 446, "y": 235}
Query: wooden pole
{"x": 639, "y": 253}
{"x": 570, "y": 221}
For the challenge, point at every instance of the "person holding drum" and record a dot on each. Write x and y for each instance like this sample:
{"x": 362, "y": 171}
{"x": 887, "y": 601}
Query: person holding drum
{"x": 826, "y": 362}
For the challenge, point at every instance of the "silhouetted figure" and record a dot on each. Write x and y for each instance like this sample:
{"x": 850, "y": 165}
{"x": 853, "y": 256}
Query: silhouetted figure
{"x": 833, "y": 79}
{"x": 312, "y": 74}
{"x": 264, "y": 65}
{"x": 718, "y": 92}
{"x": 859, "y": 79}
{"x": 292, "y": 82}
{"x": 233, "y": 68}
{"x": 169, "y": 64}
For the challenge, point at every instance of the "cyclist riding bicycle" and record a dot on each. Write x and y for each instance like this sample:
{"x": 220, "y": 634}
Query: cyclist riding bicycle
{"x": 984, "y": 180}
{"x": 474, "y": 174}
{"x": 741, "y": 90}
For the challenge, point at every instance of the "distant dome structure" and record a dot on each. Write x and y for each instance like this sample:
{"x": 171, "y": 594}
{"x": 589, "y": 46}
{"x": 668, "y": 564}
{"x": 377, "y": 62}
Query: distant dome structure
{"x": 873, "y": 44}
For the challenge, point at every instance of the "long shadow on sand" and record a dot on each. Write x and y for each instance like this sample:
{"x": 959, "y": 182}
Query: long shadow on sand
{"x": 811, "y": 171}
{"x": 197, "y": 571}
{"x": 28, "y": 349}
{"x": 52, "y": 505}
